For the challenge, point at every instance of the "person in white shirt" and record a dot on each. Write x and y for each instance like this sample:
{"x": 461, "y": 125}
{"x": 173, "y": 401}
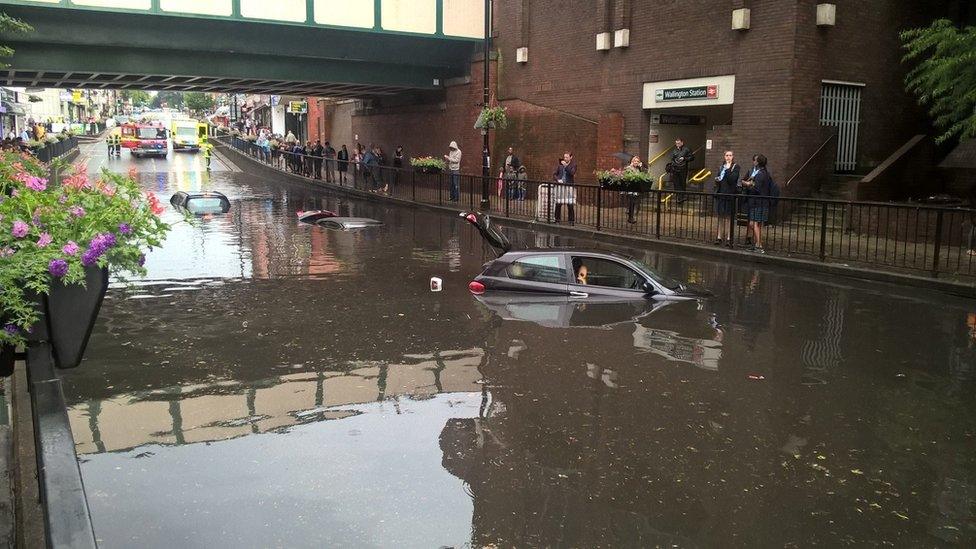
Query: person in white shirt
{"x": 454, "y": 167}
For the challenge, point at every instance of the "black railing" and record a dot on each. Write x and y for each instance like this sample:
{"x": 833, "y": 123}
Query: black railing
{"x": 50, "y": 151}
{"x": 932, "y": 240}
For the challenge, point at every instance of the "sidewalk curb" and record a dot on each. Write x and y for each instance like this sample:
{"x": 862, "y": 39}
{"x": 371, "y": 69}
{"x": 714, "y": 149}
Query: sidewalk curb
{"x": 678, "y": 248}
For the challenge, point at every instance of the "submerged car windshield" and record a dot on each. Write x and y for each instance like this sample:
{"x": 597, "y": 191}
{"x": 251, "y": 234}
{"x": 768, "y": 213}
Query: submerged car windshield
{"x": 668, "y": 283}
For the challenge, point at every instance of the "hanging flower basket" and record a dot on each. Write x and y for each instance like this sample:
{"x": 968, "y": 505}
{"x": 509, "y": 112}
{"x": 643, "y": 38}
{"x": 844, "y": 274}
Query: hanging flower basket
{"x": 491, "y": 118}
{"x": 427, "y": 164}
{"x": 58, "y": 239}
{"x": 631, "y": 181}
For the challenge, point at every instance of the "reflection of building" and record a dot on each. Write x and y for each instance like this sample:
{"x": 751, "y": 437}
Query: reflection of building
{"x": 224, "y": 410}
{"x": 704, "y": 353}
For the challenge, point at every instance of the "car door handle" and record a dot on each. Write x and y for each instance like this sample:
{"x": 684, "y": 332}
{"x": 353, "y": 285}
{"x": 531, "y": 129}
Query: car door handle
{"x": 578, "y": 294}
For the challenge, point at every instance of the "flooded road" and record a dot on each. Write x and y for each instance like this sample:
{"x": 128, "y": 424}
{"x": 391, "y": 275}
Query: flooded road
{"x": 275, "y": 384}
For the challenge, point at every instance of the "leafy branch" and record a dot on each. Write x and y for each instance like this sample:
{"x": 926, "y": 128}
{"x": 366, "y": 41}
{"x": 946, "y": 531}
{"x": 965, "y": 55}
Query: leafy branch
{"x": 11, "y": 25}
{"x": 944, "y": 77}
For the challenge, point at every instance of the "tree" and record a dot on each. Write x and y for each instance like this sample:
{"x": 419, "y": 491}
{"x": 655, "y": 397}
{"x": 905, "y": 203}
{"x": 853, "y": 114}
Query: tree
{"x": 138, "y": 98}
{"x": 944, "y": 77}
{"x": 172, "y": 99}
{"x": 198, "y": 101}
{"x": 11, "y": 25}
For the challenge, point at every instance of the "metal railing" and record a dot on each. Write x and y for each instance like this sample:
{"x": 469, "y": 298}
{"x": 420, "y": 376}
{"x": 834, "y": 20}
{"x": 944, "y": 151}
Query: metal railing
{"x": 50, "y": 151}
{"x": 918, "y": 239}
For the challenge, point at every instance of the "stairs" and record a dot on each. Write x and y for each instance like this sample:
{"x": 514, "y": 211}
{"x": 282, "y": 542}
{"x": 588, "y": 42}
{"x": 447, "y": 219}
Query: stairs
{"x": 839, "y": 187}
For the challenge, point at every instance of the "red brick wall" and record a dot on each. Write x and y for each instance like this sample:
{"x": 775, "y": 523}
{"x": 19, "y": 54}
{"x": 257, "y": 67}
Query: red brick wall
{"x": 562, "y": 98}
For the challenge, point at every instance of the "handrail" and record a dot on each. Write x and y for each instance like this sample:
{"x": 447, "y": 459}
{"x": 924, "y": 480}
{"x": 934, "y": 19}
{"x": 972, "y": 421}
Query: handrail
{"x": 67, "y": 518}
{"x": 812, "y": 156}
{"x": 689, "y": 193}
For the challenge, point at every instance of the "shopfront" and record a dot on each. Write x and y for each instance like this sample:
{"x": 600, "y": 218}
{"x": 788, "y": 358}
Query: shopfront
{"x": 688, "y": 109}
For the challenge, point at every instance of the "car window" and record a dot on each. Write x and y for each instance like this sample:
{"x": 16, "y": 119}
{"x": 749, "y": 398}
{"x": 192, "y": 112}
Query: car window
{"x": 607, "y": 273}
{"x": 538, "y": 268}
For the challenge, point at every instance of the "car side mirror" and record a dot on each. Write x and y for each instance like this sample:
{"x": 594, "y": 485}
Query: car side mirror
{"x": 649, "y": 288}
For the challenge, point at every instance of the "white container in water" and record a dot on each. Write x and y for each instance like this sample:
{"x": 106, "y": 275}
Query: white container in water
{"x": 435, "y": 284}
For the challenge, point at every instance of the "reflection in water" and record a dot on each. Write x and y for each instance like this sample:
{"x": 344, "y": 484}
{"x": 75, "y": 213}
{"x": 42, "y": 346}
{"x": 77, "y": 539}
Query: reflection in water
{"x": 209, "y": 412}
{"x": 274, "y": 384}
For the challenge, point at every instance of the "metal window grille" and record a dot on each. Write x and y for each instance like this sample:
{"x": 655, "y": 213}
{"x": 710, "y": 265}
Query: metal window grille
{"x": 840, "y": 106}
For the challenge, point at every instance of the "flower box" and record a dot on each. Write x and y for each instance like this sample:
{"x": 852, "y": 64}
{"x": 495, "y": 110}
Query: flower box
{"x": 427, "y": 164}
{"x": 58, "y": 238}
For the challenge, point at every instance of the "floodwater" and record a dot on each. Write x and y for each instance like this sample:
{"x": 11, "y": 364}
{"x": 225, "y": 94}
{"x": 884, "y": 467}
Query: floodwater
{"x": 278, "y": 385}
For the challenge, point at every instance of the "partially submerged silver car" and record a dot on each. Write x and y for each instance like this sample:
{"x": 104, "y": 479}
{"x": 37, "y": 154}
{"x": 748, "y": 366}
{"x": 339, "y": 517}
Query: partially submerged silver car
{"x": 578, "y": 273}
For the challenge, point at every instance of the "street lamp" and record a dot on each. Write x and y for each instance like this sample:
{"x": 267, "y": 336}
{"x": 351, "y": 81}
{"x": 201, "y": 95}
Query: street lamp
{"x": 485, "y": 151}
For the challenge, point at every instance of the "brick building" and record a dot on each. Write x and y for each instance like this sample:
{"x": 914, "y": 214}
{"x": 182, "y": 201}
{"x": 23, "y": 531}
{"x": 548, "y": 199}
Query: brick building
{"x": 811, "y": 85}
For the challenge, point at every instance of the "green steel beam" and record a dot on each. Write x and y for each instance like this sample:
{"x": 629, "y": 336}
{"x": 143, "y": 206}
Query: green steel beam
{"x": 34, "y": 56}
{"x": 200, "y": 37}
{"x": 235, "y": 16}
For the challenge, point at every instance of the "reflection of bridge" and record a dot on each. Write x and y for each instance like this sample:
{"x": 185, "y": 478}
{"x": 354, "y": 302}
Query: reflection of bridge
{"x": 224, "y": 410}
{"x": 304, "y": 47}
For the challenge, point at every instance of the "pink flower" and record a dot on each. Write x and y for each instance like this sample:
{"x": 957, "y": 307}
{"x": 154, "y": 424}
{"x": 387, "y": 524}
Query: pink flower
{"x": 36, "y": 183}
{"x": 44, "y": 240}
{"x": 20, "y": 229}
{"x": 71, "y": 248}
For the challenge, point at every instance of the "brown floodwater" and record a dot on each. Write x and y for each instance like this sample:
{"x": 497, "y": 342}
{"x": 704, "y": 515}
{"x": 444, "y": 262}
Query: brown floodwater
{"x": 278, "y": 384}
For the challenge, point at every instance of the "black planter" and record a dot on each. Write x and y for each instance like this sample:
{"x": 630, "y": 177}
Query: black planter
{"x": 628, "y": 187}
{"x": 429, "y": 170}
{"x": 69, "y": 313}
{"x": 6, "y": 360}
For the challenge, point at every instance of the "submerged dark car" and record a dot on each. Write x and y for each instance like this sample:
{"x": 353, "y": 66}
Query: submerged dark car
{"x": 331, "y": 220}
{"x": 578, "y": 273}
{"x": 202, "y": 203}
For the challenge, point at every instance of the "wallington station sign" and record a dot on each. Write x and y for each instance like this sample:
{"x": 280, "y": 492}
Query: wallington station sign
{"x": 684, "y": 94}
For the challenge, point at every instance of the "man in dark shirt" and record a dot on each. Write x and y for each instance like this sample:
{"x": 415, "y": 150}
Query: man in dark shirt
{"x": 317, "y": 151}
{"x": 681, "y": 157}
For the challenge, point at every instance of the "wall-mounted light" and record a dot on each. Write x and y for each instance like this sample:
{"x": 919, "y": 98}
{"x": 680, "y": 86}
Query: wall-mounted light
{"x": 741, "y": 19}
{"x": 826, "y": 15}
{"x": 522, "y": 55}
{"x": 604, "y": 41}
{"x": 621, "y": 38}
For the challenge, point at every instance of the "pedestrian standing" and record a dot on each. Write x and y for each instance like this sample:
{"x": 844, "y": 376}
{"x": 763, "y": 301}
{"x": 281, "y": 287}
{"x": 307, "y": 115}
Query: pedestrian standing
{"x": 397, "y": 164}
{"x": 681, "y": 157}
{"x": 290, "y": 139}
{"x": 381, "y": 163}
{"x": 318, "y": 152}
{"x": 633, "y": 198}
{"x": 565, "y": 176}
{"x": 520, "y": 179}
{"x": 511, "y": 168}
{"x": 453, "y": 158}
{"x": 330, "y": 159}
{"x": 726, "y": 187}
{"x": 759, "y": 189}
{"x": 343, "y": 157}
{"x": 370, "y": 163}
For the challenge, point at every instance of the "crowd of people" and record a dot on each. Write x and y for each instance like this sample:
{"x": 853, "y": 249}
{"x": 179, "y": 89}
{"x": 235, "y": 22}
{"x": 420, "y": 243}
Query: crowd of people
{"x": 747, "y": 192}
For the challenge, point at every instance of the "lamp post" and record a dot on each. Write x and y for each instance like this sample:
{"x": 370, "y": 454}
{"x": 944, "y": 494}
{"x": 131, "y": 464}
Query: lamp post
{"x": 485, "y": 151}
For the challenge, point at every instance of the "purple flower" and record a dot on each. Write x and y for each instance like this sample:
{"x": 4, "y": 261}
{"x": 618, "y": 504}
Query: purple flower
{"x": 58, "y": 267}
{"x": 77, "y": 211}
{"x": 70, "y": 248}
{"x": 142, "y": 259}
{"x": 124, "y": 228}
{"x": 44, "y": 240}
{"x": 20, "y": 229}
{"x": 11, "y": 329}
{"x": 89, "y": 257}
{"x": 62, "y": 199}
{"x": 36, "y": 183}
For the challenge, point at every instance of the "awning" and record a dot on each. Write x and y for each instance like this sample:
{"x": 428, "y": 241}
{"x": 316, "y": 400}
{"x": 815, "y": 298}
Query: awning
{"x": 15, "y": 109}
